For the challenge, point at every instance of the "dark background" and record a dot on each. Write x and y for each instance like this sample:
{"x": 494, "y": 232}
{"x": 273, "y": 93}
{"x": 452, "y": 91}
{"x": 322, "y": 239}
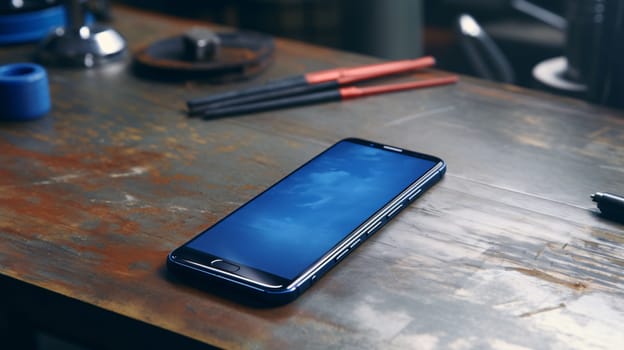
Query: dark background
{"x": 362, "y": 26}
{"x": 398, "y": 29}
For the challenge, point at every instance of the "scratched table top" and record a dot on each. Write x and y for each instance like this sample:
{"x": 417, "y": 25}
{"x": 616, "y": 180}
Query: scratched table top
{"x": 507, "y": 252}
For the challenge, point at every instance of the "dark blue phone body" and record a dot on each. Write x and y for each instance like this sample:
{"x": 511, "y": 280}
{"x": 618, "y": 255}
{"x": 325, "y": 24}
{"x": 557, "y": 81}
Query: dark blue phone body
{"x": 276, "y": 245}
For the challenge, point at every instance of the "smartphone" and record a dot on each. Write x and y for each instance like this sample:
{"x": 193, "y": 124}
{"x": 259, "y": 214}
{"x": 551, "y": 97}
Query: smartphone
{"x": 279, "y": 243}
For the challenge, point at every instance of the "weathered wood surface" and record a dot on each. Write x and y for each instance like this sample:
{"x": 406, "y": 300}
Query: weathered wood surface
{"x": 505, "y": 253}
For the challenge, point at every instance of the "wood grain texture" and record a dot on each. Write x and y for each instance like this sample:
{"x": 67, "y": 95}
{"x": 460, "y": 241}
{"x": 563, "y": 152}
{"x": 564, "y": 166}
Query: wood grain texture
{"x": 507, "y": 252}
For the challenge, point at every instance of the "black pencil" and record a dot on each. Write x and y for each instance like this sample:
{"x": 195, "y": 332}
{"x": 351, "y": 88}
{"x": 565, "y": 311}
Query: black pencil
{"x": 292, "y": 85}
{"x": 338, "y": 94}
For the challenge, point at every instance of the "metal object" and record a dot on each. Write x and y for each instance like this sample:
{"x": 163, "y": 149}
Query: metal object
{"x": 203, "y": 54}
{"x": 201, "y": 44}
{"x": 81, "y": 45}
{"x": 483, "y": 54}
{"x": 554, "y": 74}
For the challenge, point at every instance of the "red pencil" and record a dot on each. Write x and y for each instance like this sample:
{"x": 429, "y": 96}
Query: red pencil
{"x": 314, "y": 81}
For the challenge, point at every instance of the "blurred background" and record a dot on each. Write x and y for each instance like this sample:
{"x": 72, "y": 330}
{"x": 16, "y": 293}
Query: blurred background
{"x": 570, "y": 47}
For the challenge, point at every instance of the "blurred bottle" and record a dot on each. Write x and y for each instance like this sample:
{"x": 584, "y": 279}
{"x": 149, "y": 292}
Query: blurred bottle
{"x": 595, "y": 49}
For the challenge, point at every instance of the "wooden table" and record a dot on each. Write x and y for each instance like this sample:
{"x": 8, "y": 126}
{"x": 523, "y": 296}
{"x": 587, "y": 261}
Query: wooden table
{"x": 507, "y": 252}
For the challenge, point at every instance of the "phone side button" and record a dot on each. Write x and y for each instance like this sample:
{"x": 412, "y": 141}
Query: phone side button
{"x": 355, "y": 243}
{"x": 342, "y": 254}
{"x": 395, "y": 210}
{"x": 225, "y": 266}
{"x": 413, "y": 195}
{"x": 375, "y": 227}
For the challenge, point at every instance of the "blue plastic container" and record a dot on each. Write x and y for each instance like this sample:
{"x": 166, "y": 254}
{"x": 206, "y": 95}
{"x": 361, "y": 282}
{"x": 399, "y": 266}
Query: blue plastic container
{"x": 30, "y": 26}
{"x": 24, "y": 92}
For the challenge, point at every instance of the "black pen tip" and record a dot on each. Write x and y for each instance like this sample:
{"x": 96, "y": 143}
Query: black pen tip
{"x": 596, "y": 197}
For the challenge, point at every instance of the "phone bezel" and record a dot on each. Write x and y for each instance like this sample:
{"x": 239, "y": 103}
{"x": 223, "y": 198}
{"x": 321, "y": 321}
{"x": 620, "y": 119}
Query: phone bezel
{"x": 267, "y": 283}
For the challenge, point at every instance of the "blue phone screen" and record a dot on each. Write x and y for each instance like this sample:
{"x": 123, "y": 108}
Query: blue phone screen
{"x": 291, "y": 225}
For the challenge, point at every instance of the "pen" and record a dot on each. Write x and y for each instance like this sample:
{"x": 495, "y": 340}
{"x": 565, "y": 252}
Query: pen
{"x": 610, "y": 205}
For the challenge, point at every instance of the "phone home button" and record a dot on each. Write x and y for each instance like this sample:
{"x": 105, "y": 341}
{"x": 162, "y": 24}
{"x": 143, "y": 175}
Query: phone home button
{"x": 225, "y": 266}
